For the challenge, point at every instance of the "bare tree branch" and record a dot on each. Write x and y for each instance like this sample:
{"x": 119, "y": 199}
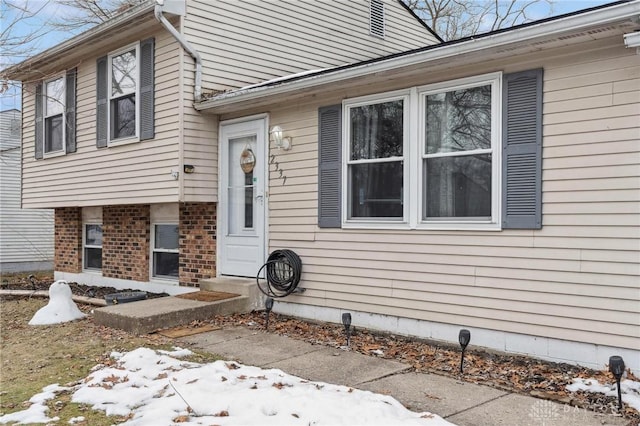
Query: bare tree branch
{"x": 455, "y": 19}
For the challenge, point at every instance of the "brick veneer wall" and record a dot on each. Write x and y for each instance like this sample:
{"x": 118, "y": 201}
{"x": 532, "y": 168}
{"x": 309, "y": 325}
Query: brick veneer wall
{"x": 197, "y": 228}
{"x": 68, "y": 240}
{"x": 125, "y": 242}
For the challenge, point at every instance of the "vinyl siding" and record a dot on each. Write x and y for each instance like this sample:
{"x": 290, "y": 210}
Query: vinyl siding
{"x": 126, "y": 174}
{"x": 243, "y": 43}
{"x": 578, "y": 278}
{"x": 26, "y": 236}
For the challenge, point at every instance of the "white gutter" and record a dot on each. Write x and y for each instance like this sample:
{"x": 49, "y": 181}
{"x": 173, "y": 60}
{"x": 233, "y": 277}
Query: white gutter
{"x": 541, "y": 30}
{"x": 197, "y": 90}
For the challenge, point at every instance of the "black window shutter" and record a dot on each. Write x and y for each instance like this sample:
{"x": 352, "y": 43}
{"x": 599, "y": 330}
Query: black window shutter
{"x": 70, "y": 111}
{"x": 147, "y": 94}
{"x": 330, "y": 166}
{"x": 102, "y": 104}
{"x": 522, "y": 150}
{"x": 39, "y": 128}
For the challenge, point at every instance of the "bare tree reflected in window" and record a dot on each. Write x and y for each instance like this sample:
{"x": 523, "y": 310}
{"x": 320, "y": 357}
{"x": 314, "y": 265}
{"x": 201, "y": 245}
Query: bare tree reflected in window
{"x": 54, "y": 104}
{"x": 457, "y": 160}
{"x": 376, "y": 162}
{"x": 123, "y": 94}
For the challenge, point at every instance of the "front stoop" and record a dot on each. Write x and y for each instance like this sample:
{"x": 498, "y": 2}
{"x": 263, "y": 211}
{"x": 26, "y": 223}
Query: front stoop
{"x": 242, "y": 286}
{"x": 152, "y": 314}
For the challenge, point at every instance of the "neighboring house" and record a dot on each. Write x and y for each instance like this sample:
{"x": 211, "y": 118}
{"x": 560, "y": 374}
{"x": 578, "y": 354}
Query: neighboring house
{"x": 489, "y": 183}
{"x": 26, "y": 235}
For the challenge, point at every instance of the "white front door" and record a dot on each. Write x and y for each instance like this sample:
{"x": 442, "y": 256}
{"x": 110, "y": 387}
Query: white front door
{"x": 241, "y": 229}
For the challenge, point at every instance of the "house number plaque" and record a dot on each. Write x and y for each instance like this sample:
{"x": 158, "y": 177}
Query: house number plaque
{"x": 247, "y": 160}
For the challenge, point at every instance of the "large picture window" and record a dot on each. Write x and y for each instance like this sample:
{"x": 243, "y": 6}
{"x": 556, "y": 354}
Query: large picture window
{"x": 54, "y": 107}
{"x": 165, "y": 251}
{"x": 375, "y": 165}
{"x": 123, "y": 93}
{"x": 92, "y": 246}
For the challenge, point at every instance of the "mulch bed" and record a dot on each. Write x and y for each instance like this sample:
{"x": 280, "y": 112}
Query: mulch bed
{"x": 511, "y": 373}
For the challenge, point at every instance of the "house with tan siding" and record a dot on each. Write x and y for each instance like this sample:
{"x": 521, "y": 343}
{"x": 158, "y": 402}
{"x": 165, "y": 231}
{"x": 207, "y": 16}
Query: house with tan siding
{"x": 488, "y": 183}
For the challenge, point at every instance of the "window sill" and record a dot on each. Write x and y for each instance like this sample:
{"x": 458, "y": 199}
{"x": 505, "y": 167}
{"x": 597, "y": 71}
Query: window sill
{"x": 123, "y": 141}
{"x": 430, "y": 226}
{"x": 53, "y": 154}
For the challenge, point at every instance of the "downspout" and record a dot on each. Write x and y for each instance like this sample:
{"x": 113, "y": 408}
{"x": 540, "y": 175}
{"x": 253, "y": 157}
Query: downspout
{"x": 197, "y": 90}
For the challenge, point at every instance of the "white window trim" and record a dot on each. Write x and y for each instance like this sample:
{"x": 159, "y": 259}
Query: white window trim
{"x": 413, "y": 149}
{"x": 136, "y": 137}
{"x": 494, "y": 223}
{"x": 382, "y": 223}
{"x": 63, "y": 150}
{"x": 85, "y": 246}
{"x": 152, "y": 250}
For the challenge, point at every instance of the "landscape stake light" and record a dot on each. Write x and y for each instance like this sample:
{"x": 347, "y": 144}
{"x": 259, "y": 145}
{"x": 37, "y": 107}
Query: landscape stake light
{"x": 346, "y": 321}
{"x": 463, "y": 337}
{"x": 616, "y": 367}
{"x": 268, "y": 306}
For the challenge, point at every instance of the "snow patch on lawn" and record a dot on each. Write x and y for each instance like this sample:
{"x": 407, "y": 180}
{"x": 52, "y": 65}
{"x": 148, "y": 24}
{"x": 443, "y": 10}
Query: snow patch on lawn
{"x": 155, "y": 387}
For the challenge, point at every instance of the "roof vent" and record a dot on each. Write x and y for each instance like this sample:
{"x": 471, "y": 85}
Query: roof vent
{"x": 376, "y": 18}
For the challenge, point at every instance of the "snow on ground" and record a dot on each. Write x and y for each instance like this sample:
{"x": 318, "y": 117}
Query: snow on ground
{"x": 61, "y": 307}
{"x": 630, "y": 390}
{"x": 155, "y": 387}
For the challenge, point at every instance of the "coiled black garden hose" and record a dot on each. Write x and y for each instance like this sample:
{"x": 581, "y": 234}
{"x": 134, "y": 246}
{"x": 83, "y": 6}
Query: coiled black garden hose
{"x": 282, "y": 273}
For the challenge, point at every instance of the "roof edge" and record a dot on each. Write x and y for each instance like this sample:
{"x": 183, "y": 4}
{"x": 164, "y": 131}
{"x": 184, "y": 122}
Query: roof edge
{"x": 556, "y": 25}
{"x": 10, "y": 73}
{"x": 421, "y": 21}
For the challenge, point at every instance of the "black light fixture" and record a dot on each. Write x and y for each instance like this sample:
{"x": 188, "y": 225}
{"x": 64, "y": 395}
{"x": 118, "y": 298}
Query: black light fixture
{"x": 463, "y": 338}
{"x": 616, "y": 367}
{"x": 268, "y": 306}
{"x": 32, "y": 280}
{"x": 346, "y": 321}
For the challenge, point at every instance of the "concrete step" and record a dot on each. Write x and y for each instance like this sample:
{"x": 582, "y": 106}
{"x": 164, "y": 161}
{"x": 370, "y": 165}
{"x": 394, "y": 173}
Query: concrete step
{"x": 242, "y": 286}
{"x": 149, "y": 315}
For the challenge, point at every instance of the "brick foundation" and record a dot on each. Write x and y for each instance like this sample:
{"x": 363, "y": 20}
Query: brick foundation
{"x": 125, "y": 242}
{"x": 197, "y": 242}
{"x": 68, "y": 239}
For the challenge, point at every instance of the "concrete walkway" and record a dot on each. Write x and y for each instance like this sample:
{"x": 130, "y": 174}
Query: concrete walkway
{"x": 456, "y": 401}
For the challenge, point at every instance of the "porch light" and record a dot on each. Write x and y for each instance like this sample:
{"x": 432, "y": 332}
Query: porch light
{"x": 616, "y": 367}
{"x": 268, "y": 306}
{"x": 346, "y": 322}
{"x": 463, "y": 338}
{"x": 279, "y": 140}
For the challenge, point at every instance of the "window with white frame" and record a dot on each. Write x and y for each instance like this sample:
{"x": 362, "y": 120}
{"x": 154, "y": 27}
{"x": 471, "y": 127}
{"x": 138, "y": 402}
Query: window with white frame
{"x": 375, "y": 159}
{"x": 165, "y": 250}
{"x": 123, "y": 93}
{"x": 92, "y": 246}
{"x": 459, "y": 147}
{"x": 54, "y": 120}
{"x": 452, "y": 168}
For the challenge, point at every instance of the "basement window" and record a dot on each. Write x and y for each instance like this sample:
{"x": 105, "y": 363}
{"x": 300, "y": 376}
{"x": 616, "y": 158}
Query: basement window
{"x": 93, "y": 246}
{"x": 165, "y": 248}
{"x": 376, "y": 18}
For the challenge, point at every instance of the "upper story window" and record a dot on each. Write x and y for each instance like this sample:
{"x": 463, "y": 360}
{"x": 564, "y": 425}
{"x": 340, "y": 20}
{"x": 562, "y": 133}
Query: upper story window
{"x": 125, "y": 95}
{"x": 55, "y": 115}
{"x": 123, "y": 78}
{"x": 54, "y": 106}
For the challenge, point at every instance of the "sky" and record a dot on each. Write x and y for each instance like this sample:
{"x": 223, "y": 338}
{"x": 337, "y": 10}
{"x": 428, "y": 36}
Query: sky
{"x": 47, "y": 10}
{"x": 156, "y": 387}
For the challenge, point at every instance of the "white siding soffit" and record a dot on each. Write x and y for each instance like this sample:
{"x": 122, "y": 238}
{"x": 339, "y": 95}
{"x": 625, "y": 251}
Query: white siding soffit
{"x": 528, "y": 33}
